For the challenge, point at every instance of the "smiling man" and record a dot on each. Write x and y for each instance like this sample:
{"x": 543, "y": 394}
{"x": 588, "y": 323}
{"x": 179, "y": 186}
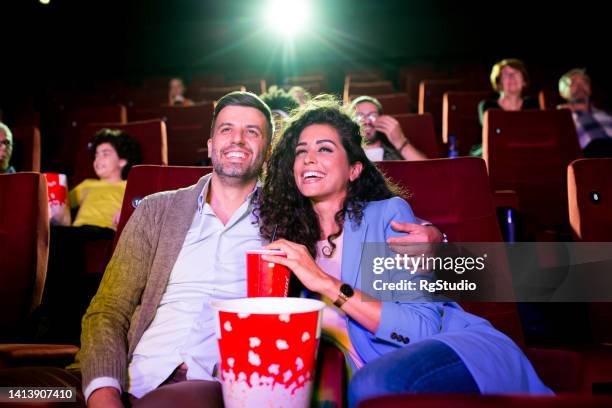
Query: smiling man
{"x": 148, "y": 334}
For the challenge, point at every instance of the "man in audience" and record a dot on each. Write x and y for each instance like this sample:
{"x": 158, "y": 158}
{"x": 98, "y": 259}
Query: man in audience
{"x": 6, "y": 149}
{"x": 382, "y": 134}
{"x": 148, "y": 336}
{"x": 594, "y": 126}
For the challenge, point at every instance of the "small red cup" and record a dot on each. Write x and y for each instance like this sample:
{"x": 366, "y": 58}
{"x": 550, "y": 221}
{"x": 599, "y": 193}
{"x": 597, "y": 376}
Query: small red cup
{"x": 266, "y": 279}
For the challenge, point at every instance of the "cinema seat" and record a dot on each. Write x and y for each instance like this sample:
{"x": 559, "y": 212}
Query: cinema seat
{"x": 528, "y": 152}
{"x": 460, "y": 119}
{"x": 24, "y": 248}
{"x": 419, "y": 129}
{"x": 26, "y": 152}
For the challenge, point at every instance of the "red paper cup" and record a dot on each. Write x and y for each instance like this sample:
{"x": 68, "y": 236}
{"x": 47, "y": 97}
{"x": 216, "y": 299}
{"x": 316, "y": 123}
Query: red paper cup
{"x": 266, "y": 279}
{"x": 57, "y": 188}
{"x": 268, "y": 348}
{"x": 57, "y": 193}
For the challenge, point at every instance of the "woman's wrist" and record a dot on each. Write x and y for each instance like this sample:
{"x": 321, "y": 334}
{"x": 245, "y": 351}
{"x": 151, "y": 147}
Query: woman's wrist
{"x": 405, "y": 143}
{"x": 329, "y": 287}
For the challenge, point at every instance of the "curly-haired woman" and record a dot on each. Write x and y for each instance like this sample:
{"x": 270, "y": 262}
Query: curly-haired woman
{"x": 325, "y": 199}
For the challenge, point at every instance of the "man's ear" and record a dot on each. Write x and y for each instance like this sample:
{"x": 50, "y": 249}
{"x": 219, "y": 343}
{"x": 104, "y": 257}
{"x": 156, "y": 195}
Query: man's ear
{"x": 209, "y": 146}
{"x": 355, "y": 171}
{"x": 122, "y": 163}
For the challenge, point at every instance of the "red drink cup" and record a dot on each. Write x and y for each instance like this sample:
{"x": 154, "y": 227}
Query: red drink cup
{"x": 266, "y": 279}
{"x": 267, "y": 348}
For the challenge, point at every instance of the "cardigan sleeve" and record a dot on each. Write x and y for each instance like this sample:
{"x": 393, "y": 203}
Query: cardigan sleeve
{"x": 106, "y": 323}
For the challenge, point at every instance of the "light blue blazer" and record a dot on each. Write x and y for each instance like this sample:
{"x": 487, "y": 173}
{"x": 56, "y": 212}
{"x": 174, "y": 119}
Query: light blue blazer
{"x": 494, "y": 360}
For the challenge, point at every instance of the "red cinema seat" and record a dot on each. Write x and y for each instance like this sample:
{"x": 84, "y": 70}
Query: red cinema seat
{"x": 24, "y": 248}
{"x": 212, "y": 93}
{"x": 370, "y": 88}
{"x": 590, "y": 199}
{"x": 528, "y": 152}
{"x": 431, "y": 92}
{"x": 26, "y": 152}
{"x": 147, "y": 179}
{"x": 460, "y": 119}
{"x": 590, "y": 212}
{"x": 188, "y": 130}
{"x": 419, "y": 129}
{"x": 393, "y": 104}
{"x": 486, "y": 401}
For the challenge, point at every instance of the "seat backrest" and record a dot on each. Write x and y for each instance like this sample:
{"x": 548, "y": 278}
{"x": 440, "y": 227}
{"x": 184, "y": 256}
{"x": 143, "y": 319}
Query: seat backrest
{"x": 528, "y": 152}
{"x": 460, "y": 118}
{"x": 431, "y": 92}
{"x": 370, "y": 88}
{"x": 24, "y": 246}
{"x": 590, "y": 199}
{"x": 137, "y": 98}
{"x": 188, "y": 130}
{"x": 77, "y": 119}
{"x": 148, "y": 179}
{"x": 393, "y": 104}
{"x": 419, "y": 129}
{"x": 150, "y": 135}
{"x": 212, "y": 93}
{"x": 549, "y": 99}
{"x": 26, "y": 153}
{"x": 454, "y": 195}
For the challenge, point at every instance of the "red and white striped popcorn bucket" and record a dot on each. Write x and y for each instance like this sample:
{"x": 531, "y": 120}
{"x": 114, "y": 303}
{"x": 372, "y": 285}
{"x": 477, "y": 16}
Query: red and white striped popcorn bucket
{"x": 268, "y": 349}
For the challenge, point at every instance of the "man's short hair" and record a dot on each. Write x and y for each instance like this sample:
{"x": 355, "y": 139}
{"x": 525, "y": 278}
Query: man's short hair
{"x": 566, "y": 79}
{"x": 7, "y": 132}
{"x": 508, "y": 62}
{"x": 369, "y": 99}
{"x": 248, "y": 100}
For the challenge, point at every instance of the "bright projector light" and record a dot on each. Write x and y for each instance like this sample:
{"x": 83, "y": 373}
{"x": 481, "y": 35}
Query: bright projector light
{"x": 287, "y": 16}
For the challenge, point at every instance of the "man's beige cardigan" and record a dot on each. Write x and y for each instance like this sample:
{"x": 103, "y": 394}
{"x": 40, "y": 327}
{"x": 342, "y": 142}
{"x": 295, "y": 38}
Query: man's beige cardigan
{"x": 134, "y": 282}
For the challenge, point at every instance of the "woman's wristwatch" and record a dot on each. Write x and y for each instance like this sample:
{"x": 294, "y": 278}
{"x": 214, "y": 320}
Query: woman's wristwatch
{"x": 346, "y": 292}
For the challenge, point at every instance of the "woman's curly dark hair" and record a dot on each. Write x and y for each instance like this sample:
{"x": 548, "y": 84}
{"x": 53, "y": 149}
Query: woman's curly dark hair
{"x": 282, "y": 208}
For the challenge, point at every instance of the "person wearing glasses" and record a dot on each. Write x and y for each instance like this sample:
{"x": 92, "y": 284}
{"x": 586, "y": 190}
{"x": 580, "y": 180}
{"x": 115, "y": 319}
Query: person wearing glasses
{"x": 6, "y": 149}
{"x": 382, "y": 135}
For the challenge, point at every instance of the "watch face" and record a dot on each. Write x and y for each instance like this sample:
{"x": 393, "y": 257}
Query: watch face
{"x": 346, "y": 290}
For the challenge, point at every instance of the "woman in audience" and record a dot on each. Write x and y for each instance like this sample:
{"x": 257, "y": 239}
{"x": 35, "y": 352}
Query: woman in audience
{"x": 324, "y": 198}
{"x": 176, "y": 93}
{"x": 509, "y": 79}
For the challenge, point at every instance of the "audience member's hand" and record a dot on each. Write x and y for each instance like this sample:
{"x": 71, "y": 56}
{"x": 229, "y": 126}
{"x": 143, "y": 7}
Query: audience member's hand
{"x": 105, "y": 397}
{"x": 116, "y": 218}
{"x": 391, "y": 128}
{"x": 300, "y": 262}
{"x": 418, "y": 238}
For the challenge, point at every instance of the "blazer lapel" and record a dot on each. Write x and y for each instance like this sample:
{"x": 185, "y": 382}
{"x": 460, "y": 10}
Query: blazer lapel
{"x": 354, "y": 236}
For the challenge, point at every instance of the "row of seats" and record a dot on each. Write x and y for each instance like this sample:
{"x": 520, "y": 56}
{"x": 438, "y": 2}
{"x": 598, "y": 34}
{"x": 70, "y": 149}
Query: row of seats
{"x": 453, "y": 193}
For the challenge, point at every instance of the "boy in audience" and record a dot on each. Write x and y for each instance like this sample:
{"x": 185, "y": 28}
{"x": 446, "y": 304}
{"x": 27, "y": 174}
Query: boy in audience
{"x": 99, "y": 200}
